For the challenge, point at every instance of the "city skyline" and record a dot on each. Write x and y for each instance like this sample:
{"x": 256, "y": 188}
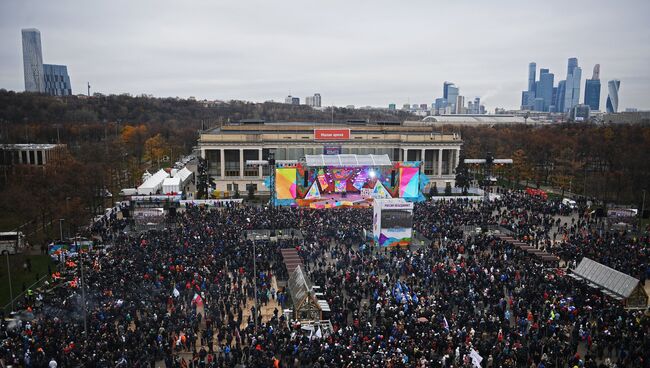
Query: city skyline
{"x": 225, "y": 51}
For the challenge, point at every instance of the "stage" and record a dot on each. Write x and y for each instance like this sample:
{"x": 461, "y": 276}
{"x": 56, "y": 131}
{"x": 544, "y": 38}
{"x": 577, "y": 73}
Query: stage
{"x": 333, "y": 200}
{"x": 330, "y": 181}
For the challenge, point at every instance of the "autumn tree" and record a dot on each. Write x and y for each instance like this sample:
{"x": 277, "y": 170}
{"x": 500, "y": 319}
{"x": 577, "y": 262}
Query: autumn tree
{"x": 155, "y": 148}
{"x": 520, "y": 166}
{"x": 134, "y": 138}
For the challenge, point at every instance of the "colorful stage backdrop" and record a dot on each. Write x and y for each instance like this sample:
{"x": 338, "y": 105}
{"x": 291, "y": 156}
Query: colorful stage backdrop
{"x": 285, "y": 180}
{"x": 409, "y": 181}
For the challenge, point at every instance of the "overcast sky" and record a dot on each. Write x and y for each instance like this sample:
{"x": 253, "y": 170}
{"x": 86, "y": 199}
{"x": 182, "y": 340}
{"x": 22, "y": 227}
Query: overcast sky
{"x": 352, "y": 52}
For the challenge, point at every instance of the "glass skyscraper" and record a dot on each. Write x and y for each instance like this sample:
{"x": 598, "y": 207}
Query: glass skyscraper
{"x": 544, "y": 90}
{"x": 612, "y": 96}
{"x": 33, "y": 60}
{"x": 592, "y": 90}
{"x": 452, "y": 96}
{"x": 532, "y": 70}
{"x": 561, "y": 91}
{"x": 572, "y": 85}
{"x": 592, "y": 94}
{"x": 57, "y": 81}
{"x": 445, "y": 90}
{"x": 528, "y": 96}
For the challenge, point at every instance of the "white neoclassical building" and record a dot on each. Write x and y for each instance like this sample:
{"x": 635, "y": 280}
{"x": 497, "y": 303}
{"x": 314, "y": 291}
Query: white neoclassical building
{"x": 227, "y": 148}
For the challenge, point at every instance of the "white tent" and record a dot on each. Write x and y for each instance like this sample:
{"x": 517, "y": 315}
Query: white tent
{"x": 185, "y": 175}
{"x": 153, "y": 184}
{"x": 171, "y": 185}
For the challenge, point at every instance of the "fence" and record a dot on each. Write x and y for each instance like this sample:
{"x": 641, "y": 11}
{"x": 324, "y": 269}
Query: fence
{"x": 8, "y": 306}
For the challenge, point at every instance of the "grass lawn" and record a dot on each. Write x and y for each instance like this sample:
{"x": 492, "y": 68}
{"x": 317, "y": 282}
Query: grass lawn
{"x": 18, "y": 275}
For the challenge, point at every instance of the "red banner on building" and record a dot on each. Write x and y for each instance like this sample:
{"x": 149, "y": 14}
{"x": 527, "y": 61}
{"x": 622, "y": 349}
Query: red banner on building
{"x": 331, "y": 134}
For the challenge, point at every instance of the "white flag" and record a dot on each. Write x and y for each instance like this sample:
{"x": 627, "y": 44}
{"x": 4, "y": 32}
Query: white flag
{"x": 476, "y": 358}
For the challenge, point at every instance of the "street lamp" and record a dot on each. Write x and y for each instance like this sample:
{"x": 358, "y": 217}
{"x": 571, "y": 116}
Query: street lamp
{"x": 642, "y": 210}
{"x": 61, "y": 229}
{"x": 11, "y": 291}
{"x": 255, "y": 279}
{"x": 83, "y": 286}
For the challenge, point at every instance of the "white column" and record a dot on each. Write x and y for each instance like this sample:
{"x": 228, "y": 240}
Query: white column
{"x": 259, "y": 157}
{"x": 422, "y": 156}
{"x": 457, "y": 157}
{"x": 241, "y": 162}
{"x": 405, "y": 154}
{"x": 439, "y": 161}
{"x": 452, "y": 157}
{"x": 223, "y": 163}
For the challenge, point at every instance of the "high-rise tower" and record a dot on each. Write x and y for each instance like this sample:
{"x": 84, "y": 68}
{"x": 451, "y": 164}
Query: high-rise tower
{"x": 612, "y": 97}
{"x": 33, "y": 60}
{"x": 592, "y": 89}
{"x": 532, "y": 69}
{"x": 544, "y": 89}
{"x": 572, "y": 85}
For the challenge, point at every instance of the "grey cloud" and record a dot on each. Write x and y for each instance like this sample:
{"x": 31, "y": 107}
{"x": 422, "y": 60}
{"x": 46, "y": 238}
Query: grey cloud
{"x": 352, "y": 52}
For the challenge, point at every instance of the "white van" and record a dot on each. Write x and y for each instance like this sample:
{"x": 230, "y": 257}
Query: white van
{"x": 570, "y": 203}
{"x": 11, "y": 242}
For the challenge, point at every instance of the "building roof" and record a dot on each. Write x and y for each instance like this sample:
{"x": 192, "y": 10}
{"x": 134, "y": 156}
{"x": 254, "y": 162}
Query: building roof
{"x": 475, "y": 119}
{"x": 347, "y": 160}
{"x": 30, "y": 146}
{"x": 154, "y": 180}
{"x": 613, "y": 283}
{"x": 171, "y": 181}
{"x": 299, "y": 285}
{"x": 299, "y": 127}
{"x": 183, "y": 174}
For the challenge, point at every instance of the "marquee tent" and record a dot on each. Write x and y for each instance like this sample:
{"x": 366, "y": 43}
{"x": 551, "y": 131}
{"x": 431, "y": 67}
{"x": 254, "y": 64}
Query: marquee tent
{"x": 153, "y": 184}
{"x": 171, "y": 185}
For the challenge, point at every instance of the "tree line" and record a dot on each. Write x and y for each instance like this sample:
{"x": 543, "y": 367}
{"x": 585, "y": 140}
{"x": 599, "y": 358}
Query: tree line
{"x": 112, "y": 139}
{"x": 607, "y": 162}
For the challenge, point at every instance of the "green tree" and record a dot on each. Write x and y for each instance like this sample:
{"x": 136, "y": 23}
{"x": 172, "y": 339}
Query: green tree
{"x": 433, "y": 190}
{"x": 448, "y": 189}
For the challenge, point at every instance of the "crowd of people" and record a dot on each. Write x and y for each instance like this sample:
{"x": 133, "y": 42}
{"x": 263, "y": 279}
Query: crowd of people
{"x": 184, "y": 296}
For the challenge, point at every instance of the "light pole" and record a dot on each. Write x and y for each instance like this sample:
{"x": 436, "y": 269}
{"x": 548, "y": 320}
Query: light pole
{"x": 83, "y": 287}
{"x": 642, "y": 210}
{"x": 61, "y": 229}
{"x": 11, "y": 290}
{"x": 255, "y": 279}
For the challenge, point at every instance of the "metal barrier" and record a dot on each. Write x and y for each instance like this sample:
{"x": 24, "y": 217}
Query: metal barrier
{"x": 8, "y": 306}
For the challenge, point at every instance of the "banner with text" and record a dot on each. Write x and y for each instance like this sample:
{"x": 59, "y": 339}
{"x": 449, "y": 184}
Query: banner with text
{"x": 331, "y": 134}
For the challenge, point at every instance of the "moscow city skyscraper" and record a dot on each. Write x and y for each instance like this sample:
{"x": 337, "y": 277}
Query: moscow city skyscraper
{"x": 33, "y": 60}
{"x": 544, "y": 89}
{"x": 572, "y": 85}
{"x": 540, "y": 93}
{"x": 528, "y": 96}
{"x": 612, "y": 96}
{"x": 592, "y": 90}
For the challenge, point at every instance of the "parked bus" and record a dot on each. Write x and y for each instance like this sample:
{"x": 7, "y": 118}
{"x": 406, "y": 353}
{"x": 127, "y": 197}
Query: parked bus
{"x": 11, "y": 242}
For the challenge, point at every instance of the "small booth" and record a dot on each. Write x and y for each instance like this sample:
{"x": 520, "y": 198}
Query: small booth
{"x": 306, "y": 305}
{"x": 392, "y": 222}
